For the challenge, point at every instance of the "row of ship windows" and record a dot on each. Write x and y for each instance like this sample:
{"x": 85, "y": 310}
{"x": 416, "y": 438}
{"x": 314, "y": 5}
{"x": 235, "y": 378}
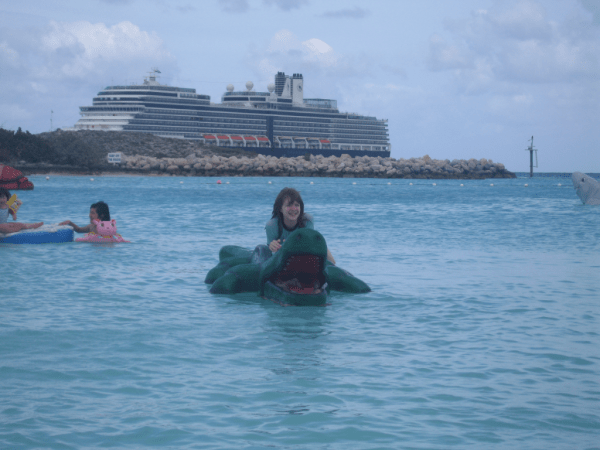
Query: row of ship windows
{"x": 327, "y": 126}
{"x": 236, "y": 116}
{"x": 189, "y": 130}
{"x": 333, "y": 126}
{"x": 253, "y": 126}
{"x": 143, "y": 87}
{"x": 109, "y": 95}
{"x": 294, "y": 114}
{"x": 93, "y": 110}
{"x": 297, "y": 130}
{"x": 102, "y": 101}
{"x": 138, "y": 95}
{"x": 255, "y": 122}
{"x": 259, "y": 128}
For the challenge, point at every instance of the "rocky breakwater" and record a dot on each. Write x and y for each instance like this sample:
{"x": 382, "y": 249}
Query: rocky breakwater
{"x": 316, "y": 166}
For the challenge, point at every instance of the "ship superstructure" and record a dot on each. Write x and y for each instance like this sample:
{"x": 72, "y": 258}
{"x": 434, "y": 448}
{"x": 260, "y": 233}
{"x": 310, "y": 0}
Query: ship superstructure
{"x": 280, "y": 121}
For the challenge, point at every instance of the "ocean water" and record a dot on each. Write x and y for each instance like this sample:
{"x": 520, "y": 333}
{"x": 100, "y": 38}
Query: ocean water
{"x": 482, "y": 329}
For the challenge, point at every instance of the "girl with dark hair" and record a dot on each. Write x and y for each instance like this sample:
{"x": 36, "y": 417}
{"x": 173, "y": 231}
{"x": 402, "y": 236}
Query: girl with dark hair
{"x": 5, "y": 226}
{"x": 288, "y": 215}
{"x": 98, "y": 211}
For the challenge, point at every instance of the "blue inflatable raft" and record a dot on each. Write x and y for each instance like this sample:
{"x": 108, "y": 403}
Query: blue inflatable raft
{"x": 42, "y": 235}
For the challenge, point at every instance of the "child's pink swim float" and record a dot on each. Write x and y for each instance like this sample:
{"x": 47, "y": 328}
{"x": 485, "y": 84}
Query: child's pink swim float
{"x": 105, "y": 232}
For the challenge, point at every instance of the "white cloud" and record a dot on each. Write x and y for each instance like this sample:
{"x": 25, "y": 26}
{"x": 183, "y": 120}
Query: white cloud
{"x": 82, "y": 48}
{"x": 49, "y": 67}
{"x": 287, "y": 52}
{"x": 8, "y": 56}
{"x": 593, "y": 7}
{"x": 38, "y": 87}
{"x": 284, "y": 41}
{"x": 317, "y": 50}
{"x": 243, "y": 6}
{"x": 234, "y": 6}
{"x": 507, "y": 105}
{"x": 14, "y": 112}
{"x": 525, "y": 20}
{"x": 514, "y": 44}
{"x": 286, "y": 5}
{"x": 444, "y": 56}
{"x": 351, "y": 13}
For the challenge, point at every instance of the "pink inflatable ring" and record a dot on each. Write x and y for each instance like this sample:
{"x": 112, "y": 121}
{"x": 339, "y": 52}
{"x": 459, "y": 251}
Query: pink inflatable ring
{"x": 105, "y": 232}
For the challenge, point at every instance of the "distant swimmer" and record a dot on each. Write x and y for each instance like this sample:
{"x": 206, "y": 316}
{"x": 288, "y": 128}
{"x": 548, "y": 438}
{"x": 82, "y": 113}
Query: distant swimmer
{"x": 587, "y": 188}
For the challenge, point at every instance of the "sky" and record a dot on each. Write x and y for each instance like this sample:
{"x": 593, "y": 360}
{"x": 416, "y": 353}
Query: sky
{"x": 456, "y": 79}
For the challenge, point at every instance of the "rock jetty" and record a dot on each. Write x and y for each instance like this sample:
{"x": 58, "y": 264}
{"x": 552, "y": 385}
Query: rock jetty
{"x": 316, "y": 166}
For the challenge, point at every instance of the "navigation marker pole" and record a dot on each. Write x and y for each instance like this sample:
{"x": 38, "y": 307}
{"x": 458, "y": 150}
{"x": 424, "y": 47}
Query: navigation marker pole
{"x": 51, "y": 112}
{"x": 531, "y": 150}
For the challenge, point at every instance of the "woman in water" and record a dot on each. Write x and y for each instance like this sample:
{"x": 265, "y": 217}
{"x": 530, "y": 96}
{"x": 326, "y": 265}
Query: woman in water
{"x": 6, "y": 227}
{"x": 288, "y": 216}
{"x": 97, "y": 211}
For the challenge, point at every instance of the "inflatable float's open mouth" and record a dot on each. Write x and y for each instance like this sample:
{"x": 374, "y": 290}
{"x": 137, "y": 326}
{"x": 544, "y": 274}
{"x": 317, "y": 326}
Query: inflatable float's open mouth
{"x": 300, "y": 282}
{"x": 301, "y": 274}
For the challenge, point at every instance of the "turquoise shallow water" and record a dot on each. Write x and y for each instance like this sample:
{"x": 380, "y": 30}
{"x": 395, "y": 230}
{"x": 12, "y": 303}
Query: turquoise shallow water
{"x": 482, "y": 329}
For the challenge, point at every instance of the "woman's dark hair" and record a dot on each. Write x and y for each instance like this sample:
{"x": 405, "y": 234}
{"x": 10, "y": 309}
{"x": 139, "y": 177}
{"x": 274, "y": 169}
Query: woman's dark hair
{"x": 4, "y": 193}
{"x": 294, "y": 196}
{"x": 102, "y": 211}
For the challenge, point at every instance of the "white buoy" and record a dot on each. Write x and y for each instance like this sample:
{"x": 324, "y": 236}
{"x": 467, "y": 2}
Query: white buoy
{"x": 91, "y": 179}
{"x": 559, "y": 185}
{"x": 461, "y": 184}
{"x": 269, "y": 182}
{"x": 410, "y": 184}
{"x": 492, "y": 184}
{"x": 47, "y": 178}
{"x": 227, "y": 182}
{"x": 354, "y": 182}
{"x": 434, "y": 184}
{"x": 312, "y": 182}
{"x": 181, "y": 182}
{"x": 389, "y": 183}
{"x": 525, "y": 185}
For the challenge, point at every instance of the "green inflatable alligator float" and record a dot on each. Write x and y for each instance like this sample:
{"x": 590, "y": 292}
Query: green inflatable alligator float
{"x": 297, "y": 274}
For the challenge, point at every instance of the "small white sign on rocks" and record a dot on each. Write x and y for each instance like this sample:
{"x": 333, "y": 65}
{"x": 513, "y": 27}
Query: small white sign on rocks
{"x": 114, "y": 158}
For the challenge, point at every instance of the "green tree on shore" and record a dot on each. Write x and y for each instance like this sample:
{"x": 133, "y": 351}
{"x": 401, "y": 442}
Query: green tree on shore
{"x": 23, "y": 146}
{"x": 58, "y": 147}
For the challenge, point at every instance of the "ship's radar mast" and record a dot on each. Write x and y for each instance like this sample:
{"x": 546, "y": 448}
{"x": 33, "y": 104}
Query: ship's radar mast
{"x": 152, "y": 76}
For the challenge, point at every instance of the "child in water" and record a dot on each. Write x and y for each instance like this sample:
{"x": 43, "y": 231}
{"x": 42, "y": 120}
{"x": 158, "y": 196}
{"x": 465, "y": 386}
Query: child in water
{"x": 288, "y": 215}
{"x": 6, "y": 227}
{"x": 97, "y": 211}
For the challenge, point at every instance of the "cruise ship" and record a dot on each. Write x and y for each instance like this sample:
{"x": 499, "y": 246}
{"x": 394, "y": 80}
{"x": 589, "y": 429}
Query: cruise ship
{"x": 280, "y": 122}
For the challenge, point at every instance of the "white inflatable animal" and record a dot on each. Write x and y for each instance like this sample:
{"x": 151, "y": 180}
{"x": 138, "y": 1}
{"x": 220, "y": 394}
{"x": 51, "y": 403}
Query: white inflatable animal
{"x": 588, "y": 189}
